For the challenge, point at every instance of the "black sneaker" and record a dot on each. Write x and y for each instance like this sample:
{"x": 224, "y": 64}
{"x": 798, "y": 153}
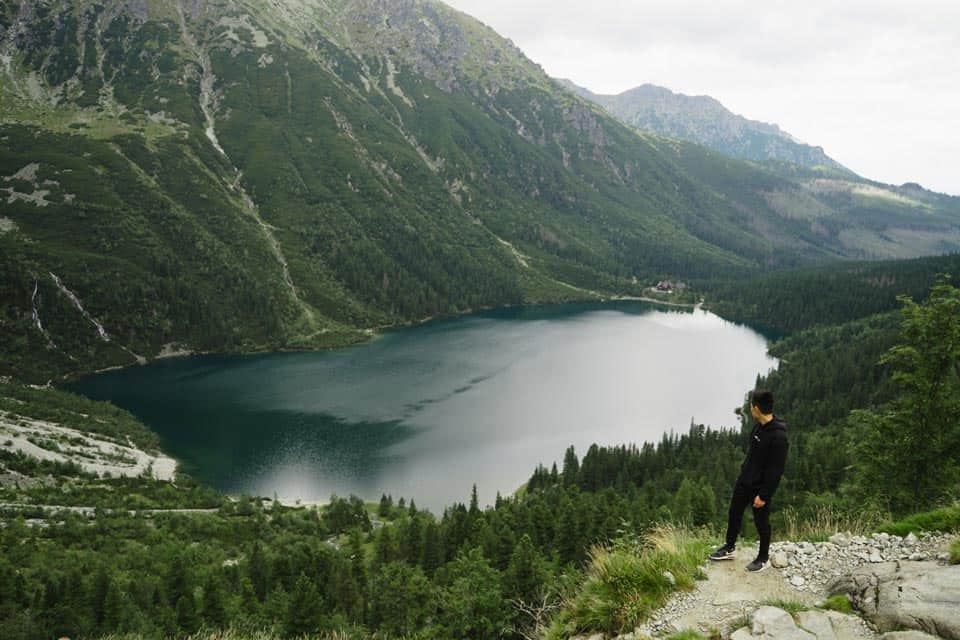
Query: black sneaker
{"x": 726, "y": 552}
{"x": 758, "y": 565}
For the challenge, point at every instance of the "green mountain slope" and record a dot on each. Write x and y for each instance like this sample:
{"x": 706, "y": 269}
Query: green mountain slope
{"x": 238, "y": 175}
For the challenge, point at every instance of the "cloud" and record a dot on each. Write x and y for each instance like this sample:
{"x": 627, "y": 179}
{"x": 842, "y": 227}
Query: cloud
{"x": 877, "y": 84}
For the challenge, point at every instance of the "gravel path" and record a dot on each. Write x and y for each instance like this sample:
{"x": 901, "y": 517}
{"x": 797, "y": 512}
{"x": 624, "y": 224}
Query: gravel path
{"x": 723, "y": 601}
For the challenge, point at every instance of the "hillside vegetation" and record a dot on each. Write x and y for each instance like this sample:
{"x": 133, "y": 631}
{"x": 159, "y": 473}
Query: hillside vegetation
{"x": 575, "y": 551}
{"x": 242, "y": 176}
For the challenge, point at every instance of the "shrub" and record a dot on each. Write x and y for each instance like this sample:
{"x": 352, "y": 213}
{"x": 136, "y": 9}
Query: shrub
{"x": 626, "y": 581}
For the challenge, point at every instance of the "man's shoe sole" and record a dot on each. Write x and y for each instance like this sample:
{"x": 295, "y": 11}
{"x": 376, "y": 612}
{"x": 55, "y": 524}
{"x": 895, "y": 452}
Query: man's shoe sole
{"x": 727, "y": 557}
{"x": 765, "y": 565}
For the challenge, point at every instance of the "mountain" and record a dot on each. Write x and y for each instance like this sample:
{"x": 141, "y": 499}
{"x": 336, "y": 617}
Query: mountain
{"x": 234, "y": 175}
{"x": 706, "y": 121}
{"x": 868, "y": 219}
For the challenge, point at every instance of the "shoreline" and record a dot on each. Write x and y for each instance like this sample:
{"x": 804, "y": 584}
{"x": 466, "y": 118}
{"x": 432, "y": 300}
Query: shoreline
{"x": 177, "y": 350}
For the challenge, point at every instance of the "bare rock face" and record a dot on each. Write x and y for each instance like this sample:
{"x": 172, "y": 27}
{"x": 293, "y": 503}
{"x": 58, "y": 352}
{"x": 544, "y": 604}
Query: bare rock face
{"x": 773, "y": 623}
{"x": 907, "y": 635}
{"x": 916, "y": 595}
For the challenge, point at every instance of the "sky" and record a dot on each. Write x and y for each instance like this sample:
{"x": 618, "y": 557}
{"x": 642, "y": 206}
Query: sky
{"x": 876, "y": 84}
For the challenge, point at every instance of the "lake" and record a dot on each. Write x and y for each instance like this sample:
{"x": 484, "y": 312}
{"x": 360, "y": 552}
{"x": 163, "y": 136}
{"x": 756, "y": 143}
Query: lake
{"x": 427, "y": 411}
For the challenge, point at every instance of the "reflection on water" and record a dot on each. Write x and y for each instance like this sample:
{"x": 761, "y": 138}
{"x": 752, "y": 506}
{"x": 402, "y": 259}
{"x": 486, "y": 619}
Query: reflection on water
{"x": 426, "y": 412}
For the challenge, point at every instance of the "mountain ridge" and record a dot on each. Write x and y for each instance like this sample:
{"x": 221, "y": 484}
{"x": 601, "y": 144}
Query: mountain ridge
{"x": 231, "y": 175}
{"x": 705, "y": 120}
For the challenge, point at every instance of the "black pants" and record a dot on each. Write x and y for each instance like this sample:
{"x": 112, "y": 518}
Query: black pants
{"x": 742, "y": 498}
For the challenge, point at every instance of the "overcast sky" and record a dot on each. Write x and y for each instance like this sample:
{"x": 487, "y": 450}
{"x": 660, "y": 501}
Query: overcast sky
{"x": 877, "y": 84}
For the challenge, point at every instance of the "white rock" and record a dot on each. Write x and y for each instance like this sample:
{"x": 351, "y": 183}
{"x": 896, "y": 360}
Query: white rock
{"x": 670, "y": 577}
{"x": 777, "y": 624}
{"x": 779, "y": 560}
{"x": 797, "y": 581}
{"x": 875, "y": 557}
{"x": 817, "y": 623}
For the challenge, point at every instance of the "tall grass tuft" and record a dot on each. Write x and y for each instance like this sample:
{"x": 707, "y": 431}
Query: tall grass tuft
{"x": 626, "y": 581}
{"x": 240, "y": 634}
{"x": 825, "y": 521}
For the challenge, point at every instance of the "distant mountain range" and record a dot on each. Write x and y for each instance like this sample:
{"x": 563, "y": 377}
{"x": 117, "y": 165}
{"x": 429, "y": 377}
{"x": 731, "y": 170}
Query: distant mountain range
{"x": 241, "y": 175}
{"x": 706, "y": 121}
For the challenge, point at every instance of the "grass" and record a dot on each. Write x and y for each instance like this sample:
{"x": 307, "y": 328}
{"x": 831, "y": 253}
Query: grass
{"x": 946, "y": 519}
{"x": 955, "y": 552}
{"x": 625, "y": 582}
{"x": 826, "y": 521}
{"x": 738, "y": 623}
{"x": 238, "y": 634}
{"x": 839, "y": 602}
{"x": 687, "y": 634}
{"x": 792, "y": 607}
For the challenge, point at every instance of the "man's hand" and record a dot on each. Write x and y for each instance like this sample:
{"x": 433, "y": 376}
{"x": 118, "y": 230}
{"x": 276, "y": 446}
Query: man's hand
{"x": 758, "y": 503}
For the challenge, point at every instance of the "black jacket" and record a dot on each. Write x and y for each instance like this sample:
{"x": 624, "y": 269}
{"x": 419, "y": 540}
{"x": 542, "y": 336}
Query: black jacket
{"x": 766, "y": 458}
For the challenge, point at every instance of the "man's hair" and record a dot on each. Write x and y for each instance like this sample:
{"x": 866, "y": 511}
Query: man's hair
{"x": 762, "y": 400}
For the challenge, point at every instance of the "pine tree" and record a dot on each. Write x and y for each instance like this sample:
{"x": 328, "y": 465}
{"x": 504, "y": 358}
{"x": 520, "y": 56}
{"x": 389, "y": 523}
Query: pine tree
{"x": 187, "y": 618}
{"x": 401, "y": 600}
{"x": 259, "y": 572}
{"x": 386, "y": 506}
{"x": 412, "y": 539}
{"x": 101, "y": 586}
{"x": 682, "y": 504}
{"x": 906, "y": 453}
{"x": 385, "y": 549}
{"x": 571, "y": 467}
{"x": 305, "y": 610}
{"x": 705, "y": 505}
{"x": 114, "y": 607}
{"x": 568, "y": 534}
{"x": 474, "y": 504}
{"x": 214, "y": 609}
{"x": 525, "y": 574}
{"x": 431, "y": 552}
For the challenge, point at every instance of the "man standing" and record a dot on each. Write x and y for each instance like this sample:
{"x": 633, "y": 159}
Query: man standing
{"x": 759, "y": 477}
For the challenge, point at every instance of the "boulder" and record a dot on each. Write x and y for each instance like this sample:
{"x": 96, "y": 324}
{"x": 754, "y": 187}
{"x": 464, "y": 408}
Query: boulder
{"x": 779, "y": 560}
{"x": 923, "y": 596}
{"x": 776, "y": 624}
{"x": 818, "y": 623}
{"x": 840, "y": 540}
{"x": 743, "y": 633}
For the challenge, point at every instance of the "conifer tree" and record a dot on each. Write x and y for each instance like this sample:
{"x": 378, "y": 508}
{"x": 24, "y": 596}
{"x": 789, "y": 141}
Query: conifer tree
{"x": 259, "y": 572}
{"x": 214, "y": 609}
{"x": 305, "y": 610}
{"x": 525, "y": 574}
{"x": 431, "y": 552}
{"x": 571, "y": 467}
{"x": 907, "y": 451}
{"x": 187, "y": 618}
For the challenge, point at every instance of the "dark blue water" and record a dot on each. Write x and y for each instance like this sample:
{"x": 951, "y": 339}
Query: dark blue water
{"x": 426, "y": 412}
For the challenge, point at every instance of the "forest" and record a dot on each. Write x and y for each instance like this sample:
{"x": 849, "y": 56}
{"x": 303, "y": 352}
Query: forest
{"x": 854, "y": 395}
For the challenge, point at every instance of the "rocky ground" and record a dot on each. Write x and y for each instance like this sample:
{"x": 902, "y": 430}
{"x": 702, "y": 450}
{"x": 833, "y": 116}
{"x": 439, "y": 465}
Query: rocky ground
{"x": 95, "y": 453}
{"x": 894, "y": 582}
